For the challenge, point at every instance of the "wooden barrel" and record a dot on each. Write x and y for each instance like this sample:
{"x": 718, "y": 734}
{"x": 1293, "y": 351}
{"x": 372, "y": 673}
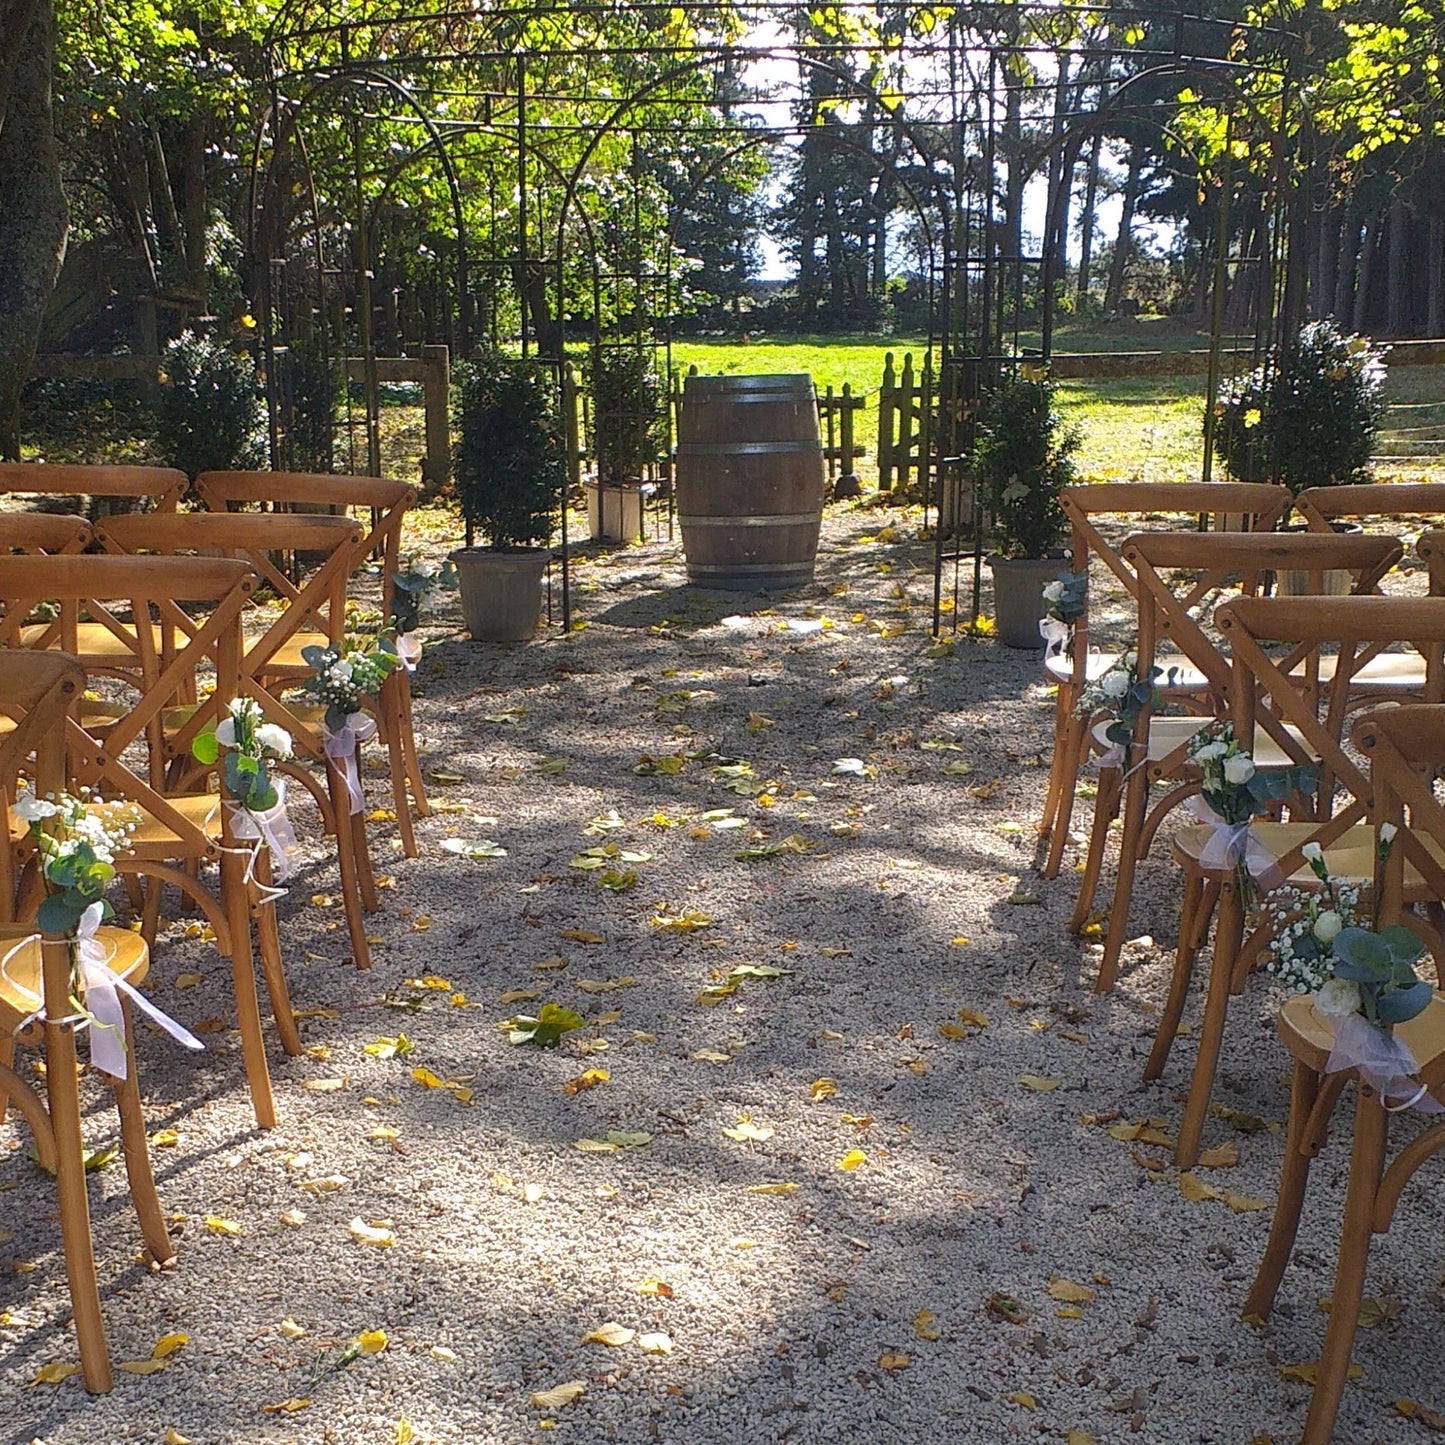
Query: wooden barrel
{"x": 750, "y": 482}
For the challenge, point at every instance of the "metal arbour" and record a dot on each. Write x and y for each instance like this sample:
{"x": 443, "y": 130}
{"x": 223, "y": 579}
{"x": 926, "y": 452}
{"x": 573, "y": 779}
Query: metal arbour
{"x": 964, "y": 93}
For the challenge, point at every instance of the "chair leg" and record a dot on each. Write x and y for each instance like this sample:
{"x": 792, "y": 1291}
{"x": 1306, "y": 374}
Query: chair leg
{"x": 243, "y": 984}
{"x": 1136, "y": 802}
{"x": 396, "y": 752}
{"x": 268, "y": 945}
{"x": 7, "y": 1062}
{"x": 63, "y": 1097}
{"x": 1074, "y": 746}
{"x": 150, "y": 913}
{"x": 1106, "y": 806}
{"x": 365, "y": 876}
{"x": 346, "y": 867}
{"x": 138, "y": 1160}
{"x": 1054, "y": 789}
{"x": 1367, "y": 1160}
{"x": 1227, "y": 936}
{"x": 1294, "y": 1176}
{"x": 1200, "y": 897}
{"x": 408, "y": 743}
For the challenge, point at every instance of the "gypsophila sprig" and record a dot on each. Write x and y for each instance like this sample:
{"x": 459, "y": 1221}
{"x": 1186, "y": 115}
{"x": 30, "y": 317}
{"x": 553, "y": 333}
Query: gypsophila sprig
{"x": 250, "y": 743}
{"x": 1304, "y": 924}
{"x": 343, "y": 676}
{"x": 77, "y": 838}
{"x": 412, "y": 587}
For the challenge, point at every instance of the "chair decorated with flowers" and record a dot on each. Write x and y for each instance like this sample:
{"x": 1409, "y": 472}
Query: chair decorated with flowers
{"x": 1137, "y": 748}
{"x": 64, "y": 971}
{"x": 1070, "y": 662}
{"x": 1368, "y": 1019}
{"x": 1236, "y": 854}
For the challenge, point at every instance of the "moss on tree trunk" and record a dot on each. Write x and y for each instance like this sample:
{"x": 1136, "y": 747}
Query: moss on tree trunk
{"x": 33, "y": 216}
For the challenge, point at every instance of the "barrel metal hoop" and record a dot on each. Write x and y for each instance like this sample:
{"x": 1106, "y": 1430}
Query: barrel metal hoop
{"x": 803, "y": 570}
{"x": 773, "y": 519}
{"x": 746, "y": 449}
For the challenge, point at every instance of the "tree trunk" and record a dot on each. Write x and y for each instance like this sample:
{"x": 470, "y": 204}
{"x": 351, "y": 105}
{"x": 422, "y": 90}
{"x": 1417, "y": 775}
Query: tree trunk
{"x": 1434, "y": 290}
{"x": 1322, "y": 302}
{"x": 1346, "y": 260}
{"x": 1397, "y": 290}
{"x": 1367, "y": 265}
{"x": 1125, "y": 242}
{"x": 33, "y": 214}
{"x": 1086, "y": 217}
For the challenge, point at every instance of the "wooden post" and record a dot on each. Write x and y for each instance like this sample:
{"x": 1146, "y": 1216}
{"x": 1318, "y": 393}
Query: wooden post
{"x": 885, "y": 426}
{"x": 829, "y": 411}
{"x": 436, "y": 466}
{"x": 906, "y": 402}
{"x": 847, "y": 484}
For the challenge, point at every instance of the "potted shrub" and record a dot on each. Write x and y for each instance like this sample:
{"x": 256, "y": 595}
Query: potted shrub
{"x": 509, "y": 470}
{"x": 1308, "y": 417}
{"x": 211, "y": 415}
{"x": 626, "y": 437}
{"x": 1022, "y": 459}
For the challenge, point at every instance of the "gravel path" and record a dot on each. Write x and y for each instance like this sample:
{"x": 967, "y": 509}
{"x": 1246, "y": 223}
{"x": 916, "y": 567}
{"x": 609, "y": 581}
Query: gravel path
{"x": 807, "y": 1189}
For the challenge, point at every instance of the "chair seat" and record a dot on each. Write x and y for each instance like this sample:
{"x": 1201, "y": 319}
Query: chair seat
{"x": 1351, "y": 859}
{"x": 1389, "y": 672}
{"x": 1168, "y": 733}
{"x": 95, "y": 644}
{"x": 1187, "y": 679}
{"x": 154, "y": 839}
{"x": 1310, "y": 1036}
{"x": 126, "y": 954}
{"x": 287, "y": 659}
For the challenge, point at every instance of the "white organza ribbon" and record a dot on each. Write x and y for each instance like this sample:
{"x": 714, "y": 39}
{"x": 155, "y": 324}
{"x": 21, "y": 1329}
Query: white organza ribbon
{"x": 272, "y": 830}
{"x": 1231, "y": 844}
{"x": 342, "y": 747}
{"x": 1111, "y": 757}
{"x": 103, "y": 987}
{"x": 408, "y": 648}
{"x": 1055, "y": 634}
{"x": 1384, "y": 1062}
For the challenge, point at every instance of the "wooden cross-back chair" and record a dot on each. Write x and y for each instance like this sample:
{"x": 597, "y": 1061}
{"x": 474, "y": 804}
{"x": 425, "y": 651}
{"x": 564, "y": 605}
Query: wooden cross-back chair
{"x": 1251, "y": 506}
{"x": 1321, "y": 507}
{"x": 1172, "y": 614}
{"x": 272, "y": 661}
{"x": 37, "y": 690}
{"x": 1405, "y": 746}
{"x": 387, "y": 503}
{"x": 161, "y": 487}
{"x": 1267, "y": 638}
{"x": 178, "y": 831}
{"x": 43, "y": 533}
{"x": 1431, "y": 550}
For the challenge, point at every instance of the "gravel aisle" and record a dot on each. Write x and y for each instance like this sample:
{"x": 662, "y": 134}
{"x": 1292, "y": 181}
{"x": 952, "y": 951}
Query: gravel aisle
{"x": 928, "y": 1027}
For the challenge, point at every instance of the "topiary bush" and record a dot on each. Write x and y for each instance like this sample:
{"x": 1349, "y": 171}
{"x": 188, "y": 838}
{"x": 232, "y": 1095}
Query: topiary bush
{"x": 1023, "y": 459}
{"x": 1308, "y": 418}
{"x": 211, "y": 416}
{"x": 627, "y": 413}
{"x": 508, "y": 465}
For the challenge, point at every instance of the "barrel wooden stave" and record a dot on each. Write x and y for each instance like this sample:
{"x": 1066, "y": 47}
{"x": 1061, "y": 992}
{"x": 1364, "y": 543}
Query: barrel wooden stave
{"x": 750, "y": 480}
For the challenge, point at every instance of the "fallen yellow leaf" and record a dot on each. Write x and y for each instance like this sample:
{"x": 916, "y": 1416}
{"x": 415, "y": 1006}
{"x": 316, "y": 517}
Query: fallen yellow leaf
{"x": 288, "y": 1407}
{"x": 169, "y": 1344}
{"x": 54, "y": 1373}
{"x": 165, "y": 1139}
{"x": 1067, "y": 1292}
{"x": 1037, "y": 1084}
{"x": 923, "y": 1323}
{"x": 656, "y": 1287}
{"x": 587, "y": 1079}
{"x": 217, "y": 1225}
{"x": 371, "y": 1342}
{"x": 174, "y": 1437}
{"x": 375, "y": 1235}
{"x": 893, "y": 1360}
{"x": 1020, "y": 1397}
{"x": 1306, "y": 1372}
{"x": 141, "y": 1367}
{"x": 771, "y": 1189}
{"x": 1195, "y": 1190}
{"x": 822, "y": 1089}
{"x": 611, "y": 1333}
{"x": 558, "y": 1395}
{"x": 290, "y": 1329}
{"x": 852, "y": 1159}
{"x": 657, "y": 1343}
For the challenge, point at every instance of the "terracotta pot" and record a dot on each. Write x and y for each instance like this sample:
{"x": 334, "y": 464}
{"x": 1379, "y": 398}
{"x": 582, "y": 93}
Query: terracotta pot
{"x": 501, "y": 592}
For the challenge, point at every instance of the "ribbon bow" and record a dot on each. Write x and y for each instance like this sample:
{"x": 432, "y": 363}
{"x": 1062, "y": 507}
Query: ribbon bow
{"x": 1055, "y": 634}
{"x": 408, "y": 648}
{"x": 271, "y": 827}
{"x": 1231, "y": 844}
{"x": 1384, "y": 1062}
{"x": 341, "y": 747}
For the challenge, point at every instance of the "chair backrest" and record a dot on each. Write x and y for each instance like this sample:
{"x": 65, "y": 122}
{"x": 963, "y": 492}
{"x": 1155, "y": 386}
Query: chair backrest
{"x": 387, "y": 502}
{"x": 1431, "y": 550}
{"x": 1308, "y": 723}
{"x": 39, "y": 533}
{"x": 317, "y": 603}
{"x": 107, "y": 585}
{"x": 1255, "y": 506}
{"x": 1320, "y": 507}
{"x": 163, "y": 487}
{"x": 1405, "y": 746}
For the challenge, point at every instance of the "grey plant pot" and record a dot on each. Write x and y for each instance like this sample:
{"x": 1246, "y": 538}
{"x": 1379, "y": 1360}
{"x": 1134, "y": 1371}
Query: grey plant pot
{"x": 501, "y": 592}
{"x": 1018, "y": 597}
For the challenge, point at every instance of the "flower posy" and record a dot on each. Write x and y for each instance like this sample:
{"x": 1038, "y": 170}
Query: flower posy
{"x": 342, "y": 676}
{"x": 249, "y": 744}
{"x": 77, "y": 838}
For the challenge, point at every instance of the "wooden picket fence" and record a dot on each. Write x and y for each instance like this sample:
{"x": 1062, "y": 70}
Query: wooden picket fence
{"x": 905, "y": 423}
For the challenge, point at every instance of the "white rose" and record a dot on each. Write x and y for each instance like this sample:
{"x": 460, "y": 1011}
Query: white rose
{"x": 1313, "y": 853}
{"x": 1210, "y": 752}
{"x": 1239, "y": 768}
{"x": 272, "y": 736}
{"x": 1387, "y": 834}
{"x": 226, "y": 732}
{"x": 1054, "y": 592}
{"x": 30, "y": 809}
{"x": 1115, "y": 684}
{"x": 240, "y": 706}
{"x": 1338, "y": 998}
{"x": 1327, "y": 925}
